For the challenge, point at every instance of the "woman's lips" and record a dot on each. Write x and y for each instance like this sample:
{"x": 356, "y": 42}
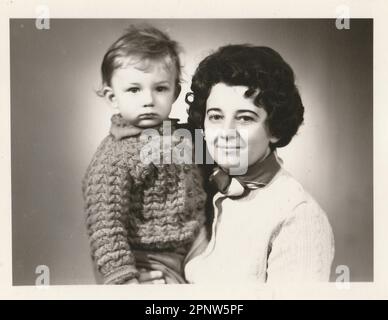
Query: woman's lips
{"x": 228, "y": 147}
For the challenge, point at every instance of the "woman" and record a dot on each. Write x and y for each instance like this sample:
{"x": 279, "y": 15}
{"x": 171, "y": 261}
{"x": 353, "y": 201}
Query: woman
{"x": 266, "y": 227}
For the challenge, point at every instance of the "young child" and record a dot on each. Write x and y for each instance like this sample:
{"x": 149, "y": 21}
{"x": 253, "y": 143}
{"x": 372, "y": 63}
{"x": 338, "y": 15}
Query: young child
{"x": 141, "y": 215}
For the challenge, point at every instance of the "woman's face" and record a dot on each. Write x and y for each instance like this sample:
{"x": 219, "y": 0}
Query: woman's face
{"x": 235, "y": 130}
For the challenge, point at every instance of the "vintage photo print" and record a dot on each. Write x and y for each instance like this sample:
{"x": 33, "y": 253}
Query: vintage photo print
{"x": 124, "y": 132}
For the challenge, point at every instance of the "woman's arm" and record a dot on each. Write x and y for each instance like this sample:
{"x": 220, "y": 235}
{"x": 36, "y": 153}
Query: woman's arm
{"x": 199, "y": 245}
{"x": 302, "y": 248}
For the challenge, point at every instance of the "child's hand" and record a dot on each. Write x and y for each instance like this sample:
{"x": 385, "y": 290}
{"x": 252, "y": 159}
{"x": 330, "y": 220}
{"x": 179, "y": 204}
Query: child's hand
{"x": 151, "y": 277}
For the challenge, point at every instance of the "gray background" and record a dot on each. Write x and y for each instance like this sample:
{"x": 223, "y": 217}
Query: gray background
{"x": 58, "y": 121}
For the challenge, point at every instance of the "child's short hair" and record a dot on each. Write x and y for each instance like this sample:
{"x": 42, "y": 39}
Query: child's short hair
{"x": 143, "y": 42}
{"x": 256, "y": 67}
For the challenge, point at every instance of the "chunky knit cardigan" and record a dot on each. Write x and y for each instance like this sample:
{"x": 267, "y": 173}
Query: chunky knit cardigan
{"x": 133, "y": 205}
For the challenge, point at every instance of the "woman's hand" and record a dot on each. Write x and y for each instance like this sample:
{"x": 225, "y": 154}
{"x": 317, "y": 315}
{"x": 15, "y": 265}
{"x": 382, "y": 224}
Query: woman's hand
{"x": 151, "y": 277}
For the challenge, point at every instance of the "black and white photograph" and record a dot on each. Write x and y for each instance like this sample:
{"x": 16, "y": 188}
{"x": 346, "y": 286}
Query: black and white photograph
{"x": 212, "y": 151}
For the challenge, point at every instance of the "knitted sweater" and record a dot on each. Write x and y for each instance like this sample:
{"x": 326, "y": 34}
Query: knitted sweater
{"x": 277, "y": 233}
{"x": 133, "y": 205}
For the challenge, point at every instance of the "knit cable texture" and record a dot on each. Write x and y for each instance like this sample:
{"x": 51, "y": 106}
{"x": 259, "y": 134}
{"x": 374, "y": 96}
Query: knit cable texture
{"x": 133, "y": 205}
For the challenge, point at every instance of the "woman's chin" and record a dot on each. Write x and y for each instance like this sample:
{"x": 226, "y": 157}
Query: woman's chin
{"x": 228, "y": 164}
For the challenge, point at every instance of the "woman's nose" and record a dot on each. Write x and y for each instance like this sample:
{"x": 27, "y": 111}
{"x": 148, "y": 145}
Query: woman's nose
{"x": 228, "y": 130}
{"x": 228, "y": 124}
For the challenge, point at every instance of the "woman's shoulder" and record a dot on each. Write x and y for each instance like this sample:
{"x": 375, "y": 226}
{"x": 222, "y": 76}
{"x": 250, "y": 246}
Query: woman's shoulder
{"x": 291, "y": 193}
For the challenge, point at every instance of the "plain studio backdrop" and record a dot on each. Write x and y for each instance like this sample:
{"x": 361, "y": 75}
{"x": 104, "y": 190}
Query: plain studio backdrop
{"x": 58, "y": 121}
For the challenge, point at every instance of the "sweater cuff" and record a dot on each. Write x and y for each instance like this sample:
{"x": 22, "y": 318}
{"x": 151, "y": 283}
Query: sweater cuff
{"x": 121, "y": 275}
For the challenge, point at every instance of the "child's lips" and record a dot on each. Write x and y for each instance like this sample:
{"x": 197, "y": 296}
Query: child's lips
{"x": 146, "y": 116}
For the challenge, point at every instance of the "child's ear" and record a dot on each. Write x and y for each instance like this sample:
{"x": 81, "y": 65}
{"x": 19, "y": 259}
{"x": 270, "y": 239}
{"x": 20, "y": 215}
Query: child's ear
{"x": 110, "y": 97}
{"x": 178, "y": 89}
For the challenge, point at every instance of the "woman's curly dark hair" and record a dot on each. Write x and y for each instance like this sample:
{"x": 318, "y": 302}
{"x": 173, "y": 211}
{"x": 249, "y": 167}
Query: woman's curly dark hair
{"x": 255, "y": 67}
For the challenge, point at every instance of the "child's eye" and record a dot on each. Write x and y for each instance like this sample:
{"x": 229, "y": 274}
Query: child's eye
{"x": 162, "y": 88}
{"x": 133, "y": 89}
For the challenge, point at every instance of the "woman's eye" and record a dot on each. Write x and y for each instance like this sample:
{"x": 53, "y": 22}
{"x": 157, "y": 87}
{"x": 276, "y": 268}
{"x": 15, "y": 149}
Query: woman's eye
{"x": 133, "y": 89}
{"x": 245, "y": 119}
{"x": 214, "y": 117}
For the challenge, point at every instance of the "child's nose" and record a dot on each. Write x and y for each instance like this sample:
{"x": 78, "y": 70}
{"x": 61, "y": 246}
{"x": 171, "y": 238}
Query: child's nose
{"x": 148, "y": 98}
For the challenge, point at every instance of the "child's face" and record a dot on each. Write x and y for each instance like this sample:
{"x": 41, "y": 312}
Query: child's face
{"x": 235, "y": 127}
{"x": 144, "y": 92}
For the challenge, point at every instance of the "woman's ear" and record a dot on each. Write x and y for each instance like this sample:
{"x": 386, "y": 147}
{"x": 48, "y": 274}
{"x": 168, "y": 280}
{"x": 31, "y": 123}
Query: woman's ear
{"x": 273, "y": 139}
{"x": 110, "y": 97}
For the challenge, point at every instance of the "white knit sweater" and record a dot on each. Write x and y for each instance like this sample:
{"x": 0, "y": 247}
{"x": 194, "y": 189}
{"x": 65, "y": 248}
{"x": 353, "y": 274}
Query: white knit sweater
{"x": 277, "y": 233}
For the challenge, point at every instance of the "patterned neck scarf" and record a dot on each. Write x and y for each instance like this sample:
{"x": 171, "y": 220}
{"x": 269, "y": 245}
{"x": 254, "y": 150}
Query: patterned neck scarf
{"x": 257, "y": 176}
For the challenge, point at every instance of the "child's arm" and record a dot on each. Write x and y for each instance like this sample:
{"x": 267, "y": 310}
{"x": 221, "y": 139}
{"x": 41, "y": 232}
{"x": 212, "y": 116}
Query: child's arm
{"x": 106, "y": 184}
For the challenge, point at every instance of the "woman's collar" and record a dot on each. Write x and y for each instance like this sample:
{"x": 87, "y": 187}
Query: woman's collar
{"x": 261, "y": 172}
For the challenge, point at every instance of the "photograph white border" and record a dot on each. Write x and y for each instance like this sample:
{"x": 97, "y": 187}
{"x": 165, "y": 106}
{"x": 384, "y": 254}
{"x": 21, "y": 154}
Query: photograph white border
{"x": 375, "y": 9}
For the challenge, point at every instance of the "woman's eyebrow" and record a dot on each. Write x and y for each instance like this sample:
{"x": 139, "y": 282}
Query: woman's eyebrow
{"x": 213, "y": 109}
{"x": 246, "y": 110}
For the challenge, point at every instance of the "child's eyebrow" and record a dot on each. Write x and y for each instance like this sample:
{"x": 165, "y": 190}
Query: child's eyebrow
{"x": 163, "y": 82}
